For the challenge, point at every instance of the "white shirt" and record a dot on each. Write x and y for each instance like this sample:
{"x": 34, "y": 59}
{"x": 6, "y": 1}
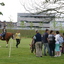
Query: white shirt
{"x": 34, "y": 37}
{"x": 56, "y": 38}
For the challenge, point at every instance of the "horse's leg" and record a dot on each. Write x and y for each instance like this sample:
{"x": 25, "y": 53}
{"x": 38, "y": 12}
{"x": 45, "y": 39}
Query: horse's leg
{"x": 7, "y": 43}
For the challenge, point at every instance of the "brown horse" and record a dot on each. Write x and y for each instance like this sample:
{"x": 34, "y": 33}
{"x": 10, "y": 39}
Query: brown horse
{"x": 7, "y": 37}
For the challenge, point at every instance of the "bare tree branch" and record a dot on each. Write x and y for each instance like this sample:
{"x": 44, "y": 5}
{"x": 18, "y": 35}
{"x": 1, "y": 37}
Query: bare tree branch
{"x": 46, "y": 6}
{"x": 2, "y": 4}
{"x": 1, "y": 13}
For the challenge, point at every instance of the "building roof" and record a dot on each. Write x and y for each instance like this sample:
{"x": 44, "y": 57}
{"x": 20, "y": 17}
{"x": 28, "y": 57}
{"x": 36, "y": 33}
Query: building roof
{"x": 41, "y": 14}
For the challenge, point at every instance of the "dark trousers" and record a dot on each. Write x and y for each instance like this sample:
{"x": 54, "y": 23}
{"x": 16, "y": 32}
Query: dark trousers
{"x": 63, "y": 50}
{"x": 52, "y": 49}
{"x": 17, "y": 42}
{"x": 3, "y": 35}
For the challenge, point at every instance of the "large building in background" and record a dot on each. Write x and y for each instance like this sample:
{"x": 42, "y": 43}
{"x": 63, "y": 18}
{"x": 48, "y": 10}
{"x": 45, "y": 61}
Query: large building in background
{"x": 28, "y": 20}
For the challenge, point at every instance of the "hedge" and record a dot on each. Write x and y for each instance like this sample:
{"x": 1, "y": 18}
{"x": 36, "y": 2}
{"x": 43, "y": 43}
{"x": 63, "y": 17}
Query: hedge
{"x": 24, "y": 33}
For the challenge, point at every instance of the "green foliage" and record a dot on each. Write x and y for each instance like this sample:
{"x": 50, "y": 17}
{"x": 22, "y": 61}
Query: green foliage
{"x": 31, "y": 25}
{"x": 61, "y": 28}
{"x": 54, "y": 23}
{"x": 24, "y": 33}
{"x": 22, "y": 54}
{"x": 2, "y": 4}
{"x": 1, "y": 13}
{"x": 41, "y": 24}
{"x": 10, "y": 25}
{"x": 22, "y": 24}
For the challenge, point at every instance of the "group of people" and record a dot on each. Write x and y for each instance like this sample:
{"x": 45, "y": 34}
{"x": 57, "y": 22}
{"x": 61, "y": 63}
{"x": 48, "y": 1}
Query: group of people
{"x": 50, "y": 42}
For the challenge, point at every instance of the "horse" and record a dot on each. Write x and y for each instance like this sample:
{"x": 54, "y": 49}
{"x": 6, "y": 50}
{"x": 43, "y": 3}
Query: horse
{"x": 7, "y": 37}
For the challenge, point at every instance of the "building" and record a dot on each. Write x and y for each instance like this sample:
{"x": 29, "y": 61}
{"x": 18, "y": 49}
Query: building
{"x": 58, "y": 24}
{"x": 27, "y": 20}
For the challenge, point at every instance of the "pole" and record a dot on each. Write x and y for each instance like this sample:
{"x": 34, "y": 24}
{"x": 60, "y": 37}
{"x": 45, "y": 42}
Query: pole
{"x": 10, "y": 49}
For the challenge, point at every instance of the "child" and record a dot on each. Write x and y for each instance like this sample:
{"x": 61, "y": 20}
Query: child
{"x": 32, "y": 45}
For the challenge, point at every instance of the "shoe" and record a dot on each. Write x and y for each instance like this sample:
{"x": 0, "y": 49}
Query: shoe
{"x": 38, "y": 56}
{"x": 45, "y": 55}
{"x": 2, "y": 38}
{"x": 16, "y": 46}
{"x": 55, "y": 56}
{"x": 59, "y": 55}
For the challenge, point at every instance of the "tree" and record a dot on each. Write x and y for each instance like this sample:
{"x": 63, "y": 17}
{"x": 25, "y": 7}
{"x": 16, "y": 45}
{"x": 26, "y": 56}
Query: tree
{"x": 60, "y": 27}
{"x": 47, "y": 6}
{"x": 31, "y": 25}
{"x": 10, "y": 24}
{"x": 41, "y": 24}
{"x": 54, "y": 25}
{"x": 2, "y": 4}
{"x": 22, "y": 24}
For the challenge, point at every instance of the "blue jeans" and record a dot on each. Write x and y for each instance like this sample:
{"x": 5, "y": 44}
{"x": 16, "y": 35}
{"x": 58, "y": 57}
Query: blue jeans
{"x": 46, "y": 45}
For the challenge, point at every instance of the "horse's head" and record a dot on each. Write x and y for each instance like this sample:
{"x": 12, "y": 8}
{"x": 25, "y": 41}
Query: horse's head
{"x": 12, "y": 36}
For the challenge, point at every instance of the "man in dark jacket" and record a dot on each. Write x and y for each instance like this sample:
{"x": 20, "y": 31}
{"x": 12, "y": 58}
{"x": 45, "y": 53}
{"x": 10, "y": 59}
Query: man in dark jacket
{"x": 38, "y": 44}
{"x": 45, "y": 39}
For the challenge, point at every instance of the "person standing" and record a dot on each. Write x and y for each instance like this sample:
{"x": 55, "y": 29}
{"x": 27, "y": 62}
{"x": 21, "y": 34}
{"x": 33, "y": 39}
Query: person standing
{"x": 57, "y": 44}
{"x": 51, "y": 41}
{"x": 32, "y": 46}
{"x": 17, "y": 36}
{"x": 38, "y": 44}
{"x": 45, "y": 42}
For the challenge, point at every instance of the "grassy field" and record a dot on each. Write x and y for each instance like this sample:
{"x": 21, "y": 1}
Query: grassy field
{"x": 22, "y": 55}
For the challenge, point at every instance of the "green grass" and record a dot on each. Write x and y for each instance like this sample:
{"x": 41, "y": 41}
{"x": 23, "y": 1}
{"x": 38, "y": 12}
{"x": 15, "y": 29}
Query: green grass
{"x": 22, "y": 55}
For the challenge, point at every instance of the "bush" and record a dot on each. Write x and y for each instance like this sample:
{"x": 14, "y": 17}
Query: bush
{"x": 24, "y": 33}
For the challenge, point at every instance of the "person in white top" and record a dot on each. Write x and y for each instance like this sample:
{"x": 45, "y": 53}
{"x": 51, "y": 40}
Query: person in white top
{"x": 57, "y": 44}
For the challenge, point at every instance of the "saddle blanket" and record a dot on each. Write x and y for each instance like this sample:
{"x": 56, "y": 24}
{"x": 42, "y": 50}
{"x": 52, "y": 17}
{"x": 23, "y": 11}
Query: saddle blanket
{"x": 0, "y": 34}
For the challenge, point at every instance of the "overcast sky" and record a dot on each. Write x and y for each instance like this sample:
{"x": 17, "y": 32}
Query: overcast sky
{"x": 11, "y": 8}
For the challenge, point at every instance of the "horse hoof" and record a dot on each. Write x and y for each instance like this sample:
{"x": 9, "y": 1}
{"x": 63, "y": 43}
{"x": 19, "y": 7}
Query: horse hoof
{"x": 6, "y": 45}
